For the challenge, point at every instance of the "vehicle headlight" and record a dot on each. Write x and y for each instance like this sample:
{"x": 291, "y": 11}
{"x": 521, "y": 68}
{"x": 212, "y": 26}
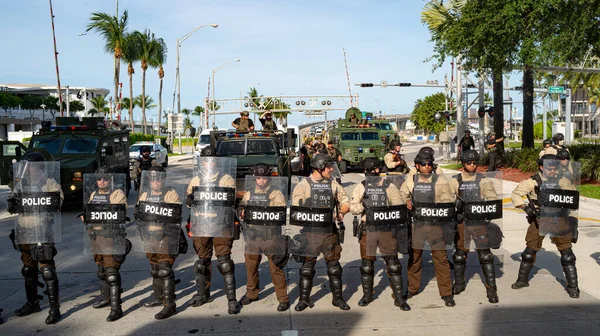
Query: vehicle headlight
{"x": 274, "y": 171}
{"x": 77, "y": 177}
{"x": 347, "y": 151}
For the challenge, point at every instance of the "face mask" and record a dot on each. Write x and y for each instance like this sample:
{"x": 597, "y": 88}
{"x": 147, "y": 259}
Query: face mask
{"x": 561, "y": 142}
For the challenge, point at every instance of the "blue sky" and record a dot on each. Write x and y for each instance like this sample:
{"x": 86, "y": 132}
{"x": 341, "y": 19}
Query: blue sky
{"x": 289, "y": 47}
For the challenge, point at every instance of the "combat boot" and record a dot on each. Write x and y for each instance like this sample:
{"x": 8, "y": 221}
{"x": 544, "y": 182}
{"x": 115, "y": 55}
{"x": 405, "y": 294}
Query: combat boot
{"x": 113, "y": 278}
{"x": 567, "y": 260}
{"x": 227, "y": 268}
{"x": 394, "y": 269}
{"x": 167, "y": 278}
{"x": 486, "y": 259}
{"x": 51, "y": 279}
{"x": 334, "y": 271}
{"x": 203, "y": 275}
{"x": 156, "y": 299}
{"x": 367, "y": 273}
{"x": 104, "y": 290}
{"x": 31, "y": 284}
{"x": 527, "y": 260}
{"x": 307, "y": 273}
{"x": 460, "y": 267}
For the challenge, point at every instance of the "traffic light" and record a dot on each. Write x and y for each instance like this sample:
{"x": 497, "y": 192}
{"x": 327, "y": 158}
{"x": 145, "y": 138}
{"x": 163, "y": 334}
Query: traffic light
{"x": 404, "y": 84}
{"x": 366, "y": 84}
{"x": 447, "y": 115}
{"x": 193, "y": 132}
{"x": 491, "y": 111}
{"x": 482, "y": 110}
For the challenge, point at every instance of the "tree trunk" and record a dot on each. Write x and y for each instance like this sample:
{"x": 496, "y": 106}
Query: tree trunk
{"x": 527, "y": 108}
{"x": 131, "y": 100}
{"x": 144, "y": 101}
{"x": 160, "y": 75}
{"x": 116, "y": 92}
{"x": 498, "y": 107}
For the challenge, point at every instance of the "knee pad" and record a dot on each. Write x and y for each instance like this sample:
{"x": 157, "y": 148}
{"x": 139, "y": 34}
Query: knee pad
{"x": 100, "y": 273}
{"x": 29, "y": 271}
{"x": 567, "y": 257}
{"x": 485, "y": 256}
{"x": 528, "y": 255}
{"x": 394, "y": 267}
{"x": 48, "y": 273}
{"x": 334, "y": 269}
{"x": 112, "y": 276}
{"x": 202, "y": 266}
{"x": 366, "y": 268}
{"x": 307, "y": 270}
{"x": 226, "y": 265}
{"x": 165, "y": 270}
{"x": 460, "y": 257}
{"x": 154, "y": 270}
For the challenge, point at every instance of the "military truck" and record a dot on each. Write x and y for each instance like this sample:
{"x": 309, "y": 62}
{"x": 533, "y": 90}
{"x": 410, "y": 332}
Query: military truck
{"x": 80, "y": 147}
{"x": 384, "y": 127}
{"x": 356, "y": 141}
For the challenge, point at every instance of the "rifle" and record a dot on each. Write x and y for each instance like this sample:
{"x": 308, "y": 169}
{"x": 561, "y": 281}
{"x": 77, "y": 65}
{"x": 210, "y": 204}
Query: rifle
{"x": 532, "y": 213}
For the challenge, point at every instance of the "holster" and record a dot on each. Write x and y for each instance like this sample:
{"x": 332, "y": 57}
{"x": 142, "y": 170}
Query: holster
{"x": 120, "y": 258}
{"x": 13, "y": 238}
{"x": 341, "y": 231}
{"x": 183, "y": 243}
{"x": 43, "y": 251}
{"x": 236, "y": 231}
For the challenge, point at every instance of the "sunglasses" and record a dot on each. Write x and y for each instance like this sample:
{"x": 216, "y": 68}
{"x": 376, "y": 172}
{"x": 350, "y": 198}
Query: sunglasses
{"x": 426, "y": 164}
{"x": 470, "y": 163}
{"x": 106, "y": 179}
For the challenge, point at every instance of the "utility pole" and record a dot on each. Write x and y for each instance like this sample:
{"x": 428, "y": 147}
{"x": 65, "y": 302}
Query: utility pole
{"x": 481, "y": 120}
{"x": 60, "y": 106}
{"x": 459, "y": 109}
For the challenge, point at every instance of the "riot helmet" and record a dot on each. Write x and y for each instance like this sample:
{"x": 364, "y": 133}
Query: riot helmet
{"x": 395, "y": 143}
{"x": 424, "y": 161}
{"x": 563, "y": 154}
{"x": 320, "y": 161}
{"x": 547, "y": 142}
{"x": 104, "y": 178}
{"x": 261, "y": 169}
{"x": 371, "y": 166}
{"x": 145, "y": 151}
{"x": 558, "y": 139}
{"x": 427, "y": 150}
{"x": 208, "y": 151}
{"x": 469, "y": 155}
{"x": 33, "y": 157}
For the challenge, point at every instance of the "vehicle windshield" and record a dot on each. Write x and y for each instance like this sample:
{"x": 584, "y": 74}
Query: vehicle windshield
{"x": 227, "y": 148}
{"x": 262, "y": 146}
{"x": 205, "y": 139}
{"x": 136, "y": 148}
{"x": 80, "y": 146}
{"x": 369, "y": 136}
{"x": 385, "y": 127}
{"x": 51, "y": 145}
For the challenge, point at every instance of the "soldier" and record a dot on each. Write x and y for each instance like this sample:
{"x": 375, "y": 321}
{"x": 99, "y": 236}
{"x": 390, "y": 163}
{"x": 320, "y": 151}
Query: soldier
{"x": 466, "y": 142}
{"x": 383, "y": 224}
{"x": 547, "y": 148}
{"x": 431, "y": 201}
{"x": 144, "y": 162}
{"x": 104, "y": 198}
{"x": 263, "y": 209}
{"x": 37, "y": 227}
{"x": 471, "y": 189}
{"x": 547, "y": 216}
{"x": 243, "y": 123}
{"x": 266, "y": 119}
{"x": 353, "y": 119}
{"x": 333, "y": 152}
{"x": 565, "y": 169}
{"x": 394, "y": 160}
{"x": 212, "y": 224}
{"x": 492, "y": 147}
{"x": 313, "y": 202}
{"x": 559, "y": 141}
{"x": 158, "y": 215}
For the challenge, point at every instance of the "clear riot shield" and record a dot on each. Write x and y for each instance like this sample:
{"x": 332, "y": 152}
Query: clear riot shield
{"x": 36, "y": 199}
{"x": 213, "y": 212}
{"x": 311, "y": 217}
{"x": 104, "y": 208}
{"x": 481, "y": 198}
{"x": 385, "y": 217}
{"x": 264, "y": 213}
{"x": 434, "y": 213}
{"x": 559, "y": 200}
{"x": 158, "y": 214}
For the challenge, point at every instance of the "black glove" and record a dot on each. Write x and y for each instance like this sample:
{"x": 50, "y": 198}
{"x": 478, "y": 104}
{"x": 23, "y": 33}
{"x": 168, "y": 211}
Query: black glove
{"x": 13, "y": 203}
{"x": 189, "y": 199}
{"x": 531, "y": 213}
{"x": 459, "y": 204}
{"x": 341, "y": 232}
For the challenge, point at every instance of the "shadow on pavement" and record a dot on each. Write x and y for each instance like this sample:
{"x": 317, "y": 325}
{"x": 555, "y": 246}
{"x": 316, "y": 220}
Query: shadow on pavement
{"x": 543, "y": 257}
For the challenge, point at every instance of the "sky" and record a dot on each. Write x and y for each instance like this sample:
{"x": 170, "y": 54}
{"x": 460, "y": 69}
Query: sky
{"x": 285, "y": 48}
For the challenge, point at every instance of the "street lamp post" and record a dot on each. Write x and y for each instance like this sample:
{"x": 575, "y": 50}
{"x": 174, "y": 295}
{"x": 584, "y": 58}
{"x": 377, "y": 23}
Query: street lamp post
{"x": 43, "y": 106}
{"x": 177, "y": 76}
{"x": 213, "y": 84}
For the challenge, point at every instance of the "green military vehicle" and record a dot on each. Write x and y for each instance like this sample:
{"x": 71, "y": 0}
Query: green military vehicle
{"x": 80, "y": 147}
{"x": 356, "y": 140}
{"x": 384, "y": 127}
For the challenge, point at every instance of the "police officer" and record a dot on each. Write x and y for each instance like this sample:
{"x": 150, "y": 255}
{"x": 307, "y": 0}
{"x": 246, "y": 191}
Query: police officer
{"x": 204, "y": 245}
{"x": 34, "y": 255}
{"x": 243, "y": 123}
{"x": 429, "y": 152}
{"x": 159, "y": 235}
{"x": 547, "y": 148}
{"x": 333, "y": 152}
{"x": 470, "y": 186}
{"x": 328, "y": 243}
{"x": 434, "y": 186}
{"x": 144, "y": 162}
{"x": 492, "y": 147}
{"x": 559, "y": 141}
{"x": 106, "y": 237}
{"x": 566, "y": 168}
{"x": 385, "y": 240}
{"x": 266, "y": 119}
{"x": 267, "y": 195}
{"x": 394, "y": 160}
{"x": 547, "y": 175}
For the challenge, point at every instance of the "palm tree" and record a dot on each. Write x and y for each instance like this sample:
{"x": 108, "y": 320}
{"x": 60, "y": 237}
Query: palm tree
{"x": 100, "y": 104}
{"x": 149, "y": 102}
{"x": 187, "y": 123}
{"x": 148, "y": 45}
{"x": 254, "y": 98}
{"x": 156, "y": 61}
{"x": 198, "y": 111}
{"x": 131, "y": 54}
{"x": 112, "y": 29}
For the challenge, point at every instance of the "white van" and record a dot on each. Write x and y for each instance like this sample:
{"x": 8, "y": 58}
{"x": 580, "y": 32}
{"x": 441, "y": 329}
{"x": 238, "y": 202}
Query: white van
{"x": 295, "y": 164}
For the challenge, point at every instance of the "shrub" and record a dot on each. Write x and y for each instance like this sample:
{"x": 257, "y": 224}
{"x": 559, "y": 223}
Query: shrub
{"x": 135, "y": 137}
{"x": 577, "y": 134}
{"x": 538, "y": 130}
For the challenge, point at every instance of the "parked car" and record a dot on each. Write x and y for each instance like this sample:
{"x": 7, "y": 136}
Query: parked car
{"x": 156, "y": 151}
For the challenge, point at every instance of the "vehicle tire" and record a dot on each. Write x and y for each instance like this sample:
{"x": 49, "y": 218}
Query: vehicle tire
{"x": 166, "y": 163}
{"x": 343, "y": 167}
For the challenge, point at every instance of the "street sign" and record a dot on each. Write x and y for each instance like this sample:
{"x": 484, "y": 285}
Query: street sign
{"x": 175, "y": 123}
{"x": 556, "y": 89}
{"x": 384, "y": 84}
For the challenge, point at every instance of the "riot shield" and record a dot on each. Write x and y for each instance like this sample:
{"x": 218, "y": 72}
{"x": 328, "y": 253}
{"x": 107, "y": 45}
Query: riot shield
{"x": 385, "y": 217}
{"x": 158, "y": 214}
{"x": 559, "y": 200}
{"x": 105, "y": 208}
{"x": 36, "y": 200}
{"x": 433, "y": 210}
{"x": 264, "y": 212}
{"x": 481, "y": 198}
{"x": 213, "y": 212}
{"x": 311, "y": 217}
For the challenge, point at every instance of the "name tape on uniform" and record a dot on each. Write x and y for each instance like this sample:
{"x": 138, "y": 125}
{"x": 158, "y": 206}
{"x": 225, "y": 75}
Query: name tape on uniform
{"x": 214, "y": 196}
{"x": 559, "y": 198}
{"x": 159, "y": 212}
{"x": 486, "y": 210}
{"x": 392, "y": 215}
{"x": 436, "y": 212}
{"x": 105, "y": 213}
{"x": 318, "y": 217}
{"x": 270, "y": 216}
{"x": 39, "y": 202}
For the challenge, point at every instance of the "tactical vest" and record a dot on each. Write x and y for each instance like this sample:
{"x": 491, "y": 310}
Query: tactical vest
{"x": 145, "y": 164}
{"x": 321, "y": 194}
{"x": 260, "y": 199}
{"x": 375, "y": 195}
{"x": 269, "y": 125}
{"x": 472, "y": 187}
{"x": 425, "y": 190}
{"x": 101, "y": 198}
{"x": 244, "y": 125}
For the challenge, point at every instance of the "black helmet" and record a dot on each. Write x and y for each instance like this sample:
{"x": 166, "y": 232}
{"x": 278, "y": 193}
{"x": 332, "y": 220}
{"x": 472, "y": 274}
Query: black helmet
{"x": 427, "y": 150}
{"x": 145, "y": 149}
{"x": 208, "y": 151}
{"x": 423, "y": 156}
{"x": 34, "y": 157}
{"x": 157, "y": 168}
{"x": 558, "y": 137}
{"x": 321, "y": 148}
{"x": 261, "y": 169}
{"x": 320, "y": 161}
{"x": 563, "y": 154}
{"x": 469, "y": 155}
{"x": 547, "y": 142}
{"x": 395, "y": 143}
{"x": 104, "y": 170}
{"x": 371, "y": 163}
{"x": 550, "y": 157}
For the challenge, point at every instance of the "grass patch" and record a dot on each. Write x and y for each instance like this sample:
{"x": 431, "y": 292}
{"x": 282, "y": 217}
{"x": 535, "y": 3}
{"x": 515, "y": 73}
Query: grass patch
{"x": 453, "y": 166}
{"x": 175, "y": 154}
{"x": 590, "y": 190}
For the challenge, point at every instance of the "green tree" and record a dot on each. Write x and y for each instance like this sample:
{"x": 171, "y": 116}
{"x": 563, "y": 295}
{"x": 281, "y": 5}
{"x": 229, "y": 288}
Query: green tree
{"x": 198, "y": 111}
{"x": 112, "y": 29}
{"x": 92, "y": 112}
{"x": 157, "y": 60}
{"x": 76, "y": 106}
{"x": 51, "y": 103}
{"x": 9, "y": 101}
{"x": 31, "y": 103}
{"x": 187, "y": 123}
{"x": 148, "y": 45}
{"x": 254, "y": 98}
{"x": 149, "y": 102}
{"x": 100, "y": 104}
{"x": 131, "y": 54}
{"x": 424, "y": 112}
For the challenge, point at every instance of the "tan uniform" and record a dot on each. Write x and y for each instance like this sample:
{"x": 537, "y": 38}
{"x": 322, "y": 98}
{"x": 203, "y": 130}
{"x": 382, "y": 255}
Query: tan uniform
{"x": 137, "y": 168}
{"x": 533, "y": 238}
{"x": 106, "y": 260}
{"x": 276, "y": 199}
{"x": 429, "y": 233}
{"x": 156, "y": 258}
{"x": 390, "y": 160}
{"x": 385, "y": 241}
{"x": 327, "y": 243}
{"x": 31, "y": 222}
